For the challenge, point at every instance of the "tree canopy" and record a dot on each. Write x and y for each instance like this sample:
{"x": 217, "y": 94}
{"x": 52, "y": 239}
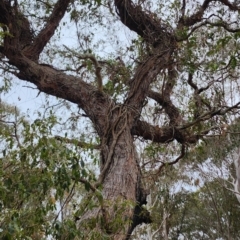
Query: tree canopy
{"x": 144, "y": 93}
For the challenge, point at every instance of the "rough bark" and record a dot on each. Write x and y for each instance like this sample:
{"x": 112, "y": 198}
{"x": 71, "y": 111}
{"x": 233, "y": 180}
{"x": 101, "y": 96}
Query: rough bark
{"x": 120, "y": 175}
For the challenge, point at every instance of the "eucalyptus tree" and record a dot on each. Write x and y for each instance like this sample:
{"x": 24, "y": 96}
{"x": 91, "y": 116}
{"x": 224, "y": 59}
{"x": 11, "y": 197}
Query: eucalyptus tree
{"x": 175, "y": 84}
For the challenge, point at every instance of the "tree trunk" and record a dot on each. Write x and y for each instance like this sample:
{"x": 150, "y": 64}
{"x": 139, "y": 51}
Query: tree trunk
{"x": 120, "y": 178}
{"x": 122, "y": 187}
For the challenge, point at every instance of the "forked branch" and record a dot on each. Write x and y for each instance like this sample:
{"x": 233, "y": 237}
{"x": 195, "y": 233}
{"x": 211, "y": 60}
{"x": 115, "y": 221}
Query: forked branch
{"x": 170, "y": 109}
{"x": 164, "y": 164}
{"x": 197, "y": 16}
{"x": 95, "y": 63}
{"x": 145, "y": 24}
{"x": 49, "y": 29}
{"x": 208, "y": 115}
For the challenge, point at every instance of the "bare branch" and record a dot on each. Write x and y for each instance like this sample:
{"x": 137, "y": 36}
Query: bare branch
{"x": 232, "y": 6}
{"x": 209, "y": 115}
{"x": 196, "y": 17}
{"x": 96, "y": 65}
{"x": 183, "y": 9}
{"x": 202, "y": 89}
{"x": 78, "y": 143}
{"x": 191, "y": 83}
{"x": 164, "y": 164}
{"x": 219, "y": 23}
{"x": 68, "y": 198}
{"x": 49, "y": 29}
{"x": 223, "y": 25}
{"x": 198, "y": 99}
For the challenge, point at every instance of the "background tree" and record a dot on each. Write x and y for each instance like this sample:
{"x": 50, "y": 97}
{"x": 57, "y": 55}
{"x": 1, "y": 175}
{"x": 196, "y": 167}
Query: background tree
{"x": 211, "y": 212}
{"x": 174, "y": 85}
{"x": 188, "y": 193}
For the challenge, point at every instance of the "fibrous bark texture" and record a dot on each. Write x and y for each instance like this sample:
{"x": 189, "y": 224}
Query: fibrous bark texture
{"x": 116, "y": 124}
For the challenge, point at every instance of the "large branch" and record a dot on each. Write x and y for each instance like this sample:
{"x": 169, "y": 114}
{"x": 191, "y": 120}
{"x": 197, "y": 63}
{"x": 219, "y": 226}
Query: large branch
{"x": 180, "y": 133}
{"x": 5, "y": 9}
{"x": 171, "y": 110}
{"x": 18, "y": 33}
{"x": 47, "y": 79}
{"x": 164, "y": 99}
{"x": 144, "y": 23}
{"x": 163, "y": 134}
{"x": 47, "y": 32}
{"x": 194, "y": 18}
{"x": 160, "y": 37}
{"x": 197, "y": 16}
{"x": 145, "y": 74}
{"x": 95, "y": 103}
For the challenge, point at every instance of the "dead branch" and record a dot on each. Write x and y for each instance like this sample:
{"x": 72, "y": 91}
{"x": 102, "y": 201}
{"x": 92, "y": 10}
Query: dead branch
{"x": 68, "y": 198}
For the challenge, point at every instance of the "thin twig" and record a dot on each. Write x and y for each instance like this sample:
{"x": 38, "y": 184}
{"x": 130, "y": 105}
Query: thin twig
{"x": 209, "y": 115}
{"x": 70, "y": 195}
{"x": 15, "y": 131}
{"x": 95, "y": 63}
{"x": 183, "y": 151}
{"x": 78, "y": 143}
